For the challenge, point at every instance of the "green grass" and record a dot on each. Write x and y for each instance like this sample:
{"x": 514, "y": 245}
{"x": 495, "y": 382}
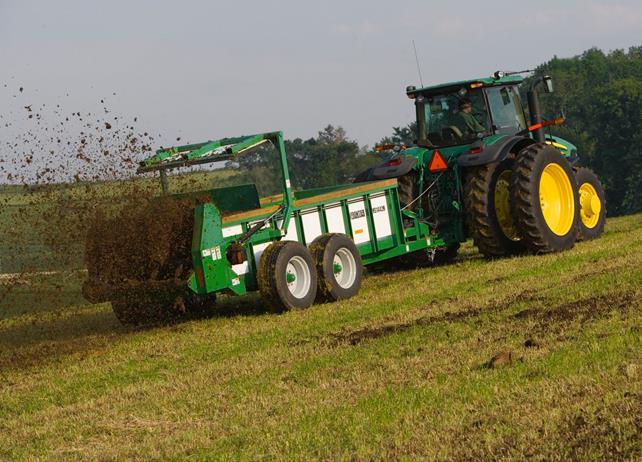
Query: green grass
{"x": 398, "y": 372}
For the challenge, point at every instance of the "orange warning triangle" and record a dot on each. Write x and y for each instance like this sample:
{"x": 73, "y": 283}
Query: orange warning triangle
{"x": 437, "y": 163}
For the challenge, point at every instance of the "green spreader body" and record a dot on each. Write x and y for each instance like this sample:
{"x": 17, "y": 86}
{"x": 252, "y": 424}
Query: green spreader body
{"x": 228, "y": 240}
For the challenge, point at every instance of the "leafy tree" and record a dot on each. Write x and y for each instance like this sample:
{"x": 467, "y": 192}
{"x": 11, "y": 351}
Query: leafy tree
{"x": 329, "y": 159}
{"x": 601, "y": 96}
{"x": 402, "y": 135}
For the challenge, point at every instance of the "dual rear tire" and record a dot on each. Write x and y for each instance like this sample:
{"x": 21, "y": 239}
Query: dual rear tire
{"x": 291, "y": 276}
{"x": 490, "y": 221}
{"x": 533, "y": 201}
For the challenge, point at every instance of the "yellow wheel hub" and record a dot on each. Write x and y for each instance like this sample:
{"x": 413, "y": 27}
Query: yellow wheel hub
{"x": 590, "y": 205}
{"x": 502, "y": 207}
{"x": 556, "y": 199}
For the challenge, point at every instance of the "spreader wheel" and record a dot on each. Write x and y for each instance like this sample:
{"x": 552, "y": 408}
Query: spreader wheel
{"x": 488, "y": 209}
{"x": 287, "y": 276}
{"x": 544, "y": 199}
{"x": 592, "y": 204}
{"x": 338, "y": 265}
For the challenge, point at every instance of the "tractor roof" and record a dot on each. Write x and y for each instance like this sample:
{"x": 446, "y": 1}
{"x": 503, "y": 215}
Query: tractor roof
{"x": 485, "y": 81}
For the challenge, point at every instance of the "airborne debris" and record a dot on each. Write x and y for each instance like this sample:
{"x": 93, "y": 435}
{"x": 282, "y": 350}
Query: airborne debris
{"x": 50, "y": 164}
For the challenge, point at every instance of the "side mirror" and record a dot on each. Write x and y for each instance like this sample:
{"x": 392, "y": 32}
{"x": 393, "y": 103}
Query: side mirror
{"x": 548, "y": 82}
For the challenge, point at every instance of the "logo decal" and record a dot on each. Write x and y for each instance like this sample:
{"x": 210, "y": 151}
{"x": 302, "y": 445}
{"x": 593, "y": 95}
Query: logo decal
{"x": 357, "y": 214}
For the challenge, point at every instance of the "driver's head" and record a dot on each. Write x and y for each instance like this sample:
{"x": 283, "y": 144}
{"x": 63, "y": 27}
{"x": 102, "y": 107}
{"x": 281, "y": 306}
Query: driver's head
{"x": 465, "y": 105}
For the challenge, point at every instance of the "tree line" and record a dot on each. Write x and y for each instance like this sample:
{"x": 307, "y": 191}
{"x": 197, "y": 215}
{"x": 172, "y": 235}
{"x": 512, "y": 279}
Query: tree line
{"x": 600, "y": 95}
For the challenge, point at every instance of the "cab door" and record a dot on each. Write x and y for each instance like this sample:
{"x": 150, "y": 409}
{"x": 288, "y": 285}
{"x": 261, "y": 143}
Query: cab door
{"x": 506, "y": 110}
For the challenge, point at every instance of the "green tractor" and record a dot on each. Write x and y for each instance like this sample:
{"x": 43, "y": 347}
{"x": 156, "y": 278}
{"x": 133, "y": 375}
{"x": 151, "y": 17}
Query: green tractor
{"x": 481, "y": 169}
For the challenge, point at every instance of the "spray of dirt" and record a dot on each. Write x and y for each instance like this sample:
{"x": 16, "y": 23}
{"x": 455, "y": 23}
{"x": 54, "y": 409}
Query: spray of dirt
{"x": 68, "y": 203}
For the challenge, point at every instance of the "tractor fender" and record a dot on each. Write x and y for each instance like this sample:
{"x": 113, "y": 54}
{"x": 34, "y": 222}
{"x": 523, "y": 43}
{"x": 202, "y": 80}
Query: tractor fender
{"x": 400, "y": 167}
{"x": 393, "y": 168}
{"x": 495, "y": 152}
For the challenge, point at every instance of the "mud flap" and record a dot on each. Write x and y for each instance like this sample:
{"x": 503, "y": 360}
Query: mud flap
{"x": 212, "y": 271}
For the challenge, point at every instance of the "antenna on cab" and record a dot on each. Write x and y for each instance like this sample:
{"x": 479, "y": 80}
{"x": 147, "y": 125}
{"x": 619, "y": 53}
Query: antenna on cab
{"x": 421, "y": 81}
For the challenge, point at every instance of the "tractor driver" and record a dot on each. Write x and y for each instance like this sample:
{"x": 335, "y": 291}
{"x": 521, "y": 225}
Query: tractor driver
{"x": 466, "y": 121}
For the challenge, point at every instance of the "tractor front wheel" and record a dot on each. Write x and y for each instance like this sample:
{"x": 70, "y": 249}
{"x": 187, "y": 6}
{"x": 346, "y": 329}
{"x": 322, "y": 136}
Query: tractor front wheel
{"x": 544, "y": 199}
{"x": 592, "y": 204}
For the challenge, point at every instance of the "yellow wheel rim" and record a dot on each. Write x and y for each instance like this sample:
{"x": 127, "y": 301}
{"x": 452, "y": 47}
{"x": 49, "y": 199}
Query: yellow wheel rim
{"x": 556, "y": 199}
{"x": 590, "y": 205}
{"x": 502, "y": 207}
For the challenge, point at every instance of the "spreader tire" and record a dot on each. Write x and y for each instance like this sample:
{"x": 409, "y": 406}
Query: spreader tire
{"x": 544, "y": 199}
{"x": 339, "y": 267}
{"x": 592, "y": 204}
{"x": 287, "y": 276}
{"x": 488, "y": 211}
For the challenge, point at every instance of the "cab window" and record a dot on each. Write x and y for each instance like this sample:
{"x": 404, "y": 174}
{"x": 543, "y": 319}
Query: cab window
{"x": 506, "y": 109}
{"x": 447, "y": 124}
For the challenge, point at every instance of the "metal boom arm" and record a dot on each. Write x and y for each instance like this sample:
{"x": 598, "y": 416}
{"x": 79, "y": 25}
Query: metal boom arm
{"x": 221, "y": 150}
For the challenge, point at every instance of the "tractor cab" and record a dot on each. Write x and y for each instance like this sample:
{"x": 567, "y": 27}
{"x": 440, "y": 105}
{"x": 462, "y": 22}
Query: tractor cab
{"x": 461, "y": 113}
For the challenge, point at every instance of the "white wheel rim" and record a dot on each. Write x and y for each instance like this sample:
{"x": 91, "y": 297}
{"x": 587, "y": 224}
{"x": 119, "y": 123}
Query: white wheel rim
{"x": 297, "y": 275}
{"x": 347, "y": 274}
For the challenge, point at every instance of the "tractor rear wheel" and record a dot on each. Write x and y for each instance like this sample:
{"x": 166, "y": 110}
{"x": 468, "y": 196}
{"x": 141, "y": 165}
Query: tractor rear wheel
{"x": 488, "y": 210}
{"x": 592, "y": 204}
{"x": 287, "y": 276}
{"x": 339, "y": 267}
{"x": 544, "y": 199}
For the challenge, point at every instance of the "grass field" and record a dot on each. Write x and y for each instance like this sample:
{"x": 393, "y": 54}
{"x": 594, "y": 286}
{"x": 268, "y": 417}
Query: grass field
{"x": 531, "y": 357}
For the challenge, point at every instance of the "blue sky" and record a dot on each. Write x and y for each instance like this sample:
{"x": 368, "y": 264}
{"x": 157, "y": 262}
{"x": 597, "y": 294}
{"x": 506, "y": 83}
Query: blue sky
{"x": 207, "y": 69}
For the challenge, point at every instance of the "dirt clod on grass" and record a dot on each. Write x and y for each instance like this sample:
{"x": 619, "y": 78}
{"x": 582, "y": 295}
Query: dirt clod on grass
{"x": 503, "y": 358}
